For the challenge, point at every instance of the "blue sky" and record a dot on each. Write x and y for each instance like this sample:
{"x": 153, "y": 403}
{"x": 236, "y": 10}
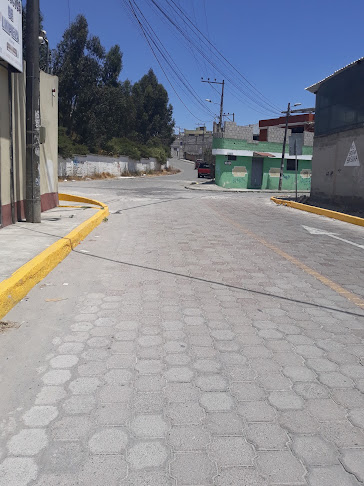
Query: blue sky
{"x": 279, "y": 45}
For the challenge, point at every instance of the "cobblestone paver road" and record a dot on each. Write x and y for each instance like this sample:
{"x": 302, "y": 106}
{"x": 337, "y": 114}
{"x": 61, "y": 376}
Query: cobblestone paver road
{"x": 193, "y": 344}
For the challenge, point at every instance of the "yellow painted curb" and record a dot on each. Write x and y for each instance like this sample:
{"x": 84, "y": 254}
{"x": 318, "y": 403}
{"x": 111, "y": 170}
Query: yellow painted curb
{"x": 16, "y": 287}
{"x": 323, "y": 212}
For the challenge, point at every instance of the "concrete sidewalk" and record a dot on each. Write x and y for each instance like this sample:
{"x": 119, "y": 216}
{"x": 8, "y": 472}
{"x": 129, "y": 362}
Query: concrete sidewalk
{"x": 21, "y": 242}
{"x": 211, "y": 186}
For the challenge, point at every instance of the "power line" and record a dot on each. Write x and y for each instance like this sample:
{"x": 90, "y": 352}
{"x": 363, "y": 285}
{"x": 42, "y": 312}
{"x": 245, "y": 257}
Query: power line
{"x": 225, "y": 59}
{"x": 261, "y": 103}
{"x": 164, "y": 53}
{"x": 130, "y": 5}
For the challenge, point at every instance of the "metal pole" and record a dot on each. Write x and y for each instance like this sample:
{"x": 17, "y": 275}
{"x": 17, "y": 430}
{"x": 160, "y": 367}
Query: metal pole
{"x": 296, "y": 166}
{"x": 222, "y": 103}
{"x": 32, "y": 206}
{"x": 47, "y": 62}
{"x": 11, "y": 151}
{"x": 284, "y": 147}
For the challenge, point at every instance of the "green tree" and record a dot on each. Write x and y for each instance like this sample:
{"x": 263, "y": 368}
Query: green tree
{"x": 78, "y": 65}
{"x": 154, "y": 114}
{"x": 113, "y": 65}
{"x": 99, "y": 111}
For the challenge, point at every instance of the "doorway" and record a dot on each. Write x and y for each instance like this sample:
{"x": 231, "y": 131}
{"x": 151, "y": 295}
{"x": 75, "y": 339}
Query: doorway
{"x": 257, "y": 173}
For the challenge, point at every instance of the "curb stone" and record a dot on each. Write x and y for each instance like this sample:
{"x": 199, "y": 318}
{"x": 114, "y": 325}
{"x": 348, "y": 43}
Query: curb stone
{"x": 17, "y": 286}
{"x": 347, "y": 218}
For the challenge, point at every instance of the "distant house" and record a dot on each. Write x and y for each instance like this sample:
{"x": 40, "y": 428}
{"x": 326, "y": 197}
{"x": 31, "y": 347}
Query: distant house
{"x": 196, "y": 142}
{"x": 192, "y": 144}
{"x": 338, "y": 150}
{"x": 248, "y": 160}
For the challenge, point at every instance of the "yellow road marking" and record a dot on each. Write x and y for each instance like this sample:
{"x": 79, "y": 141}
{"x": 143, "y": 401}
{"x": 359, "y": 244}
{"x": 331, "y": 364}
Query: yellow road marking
{"x": 355, "y": 299}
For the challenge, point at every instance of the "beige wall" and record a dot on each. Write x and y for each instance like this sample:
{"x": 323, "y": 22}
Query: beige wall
{"x": 49, "y": 120}
{"x": 48, "y": 150}
{"x": 18, "y": 82}
{"x": 331, "y": 179}
{"x": 4, "y": 138}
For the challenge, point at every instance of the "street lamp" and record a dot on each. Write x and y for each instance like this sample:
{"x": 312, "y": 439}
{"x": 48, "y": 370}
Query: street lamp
{"x": 288, "y": 112}
{"x": 210, "y": 101}
{"x": 44, "y": 40}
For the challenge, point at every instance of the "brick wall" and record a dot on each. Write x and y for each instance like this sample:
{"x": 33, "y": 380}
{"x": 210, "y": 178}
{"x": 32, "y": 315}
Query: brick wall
{"x": 308, "y": 138}
{"x": 276, "y": 134}
{"x": 234, "y": 131}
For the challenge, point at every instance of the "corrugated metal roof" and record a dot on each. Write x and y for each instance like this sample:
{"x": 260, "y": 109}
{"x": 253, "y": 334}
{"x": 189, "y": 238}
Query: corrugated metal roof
{"x": 314, "y": 88}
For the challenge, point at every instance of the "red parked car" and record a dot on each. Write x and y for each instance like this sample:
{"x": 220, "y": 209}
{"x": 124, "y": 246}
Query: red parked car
{"x": 204, "y": 170}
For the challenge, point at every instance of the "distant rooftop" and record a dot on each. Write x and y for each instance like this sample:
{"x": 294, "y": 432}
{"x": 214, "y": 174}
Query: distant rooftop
{"x": 314, "y": 88}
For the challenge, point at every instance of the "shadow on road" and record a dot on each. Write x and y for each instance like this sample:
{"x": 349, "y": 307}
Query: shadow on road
{"x": 199, "y": 279}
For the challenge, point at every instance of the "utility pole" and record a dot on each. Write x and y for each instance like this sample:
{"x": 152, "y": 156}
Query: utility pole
{"x": 222, "y": 97}
{"x": 32, "y": 206}
{"x": 296, "y": 168}
{"x": 222, "y": 103}
{"x": 229, "y": 114}
{"x": 288, "y": 112}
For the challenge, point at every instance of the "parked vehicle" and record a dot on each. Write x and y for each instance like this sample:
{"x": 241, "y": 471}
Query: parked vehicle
{"x": 204, "y": 170}
{"x": 197, "y": 163}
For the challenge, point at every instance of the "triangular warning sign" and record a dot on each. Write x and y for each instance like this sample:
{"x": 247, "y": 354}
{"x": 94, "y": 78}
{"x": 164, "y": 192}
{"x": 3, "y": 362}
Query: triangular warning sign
{"x": 352, "y": 160}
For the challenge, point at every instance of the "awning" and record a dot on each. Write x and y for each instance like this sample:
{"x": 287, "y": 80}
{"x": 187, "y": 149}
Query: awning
{"x": 263, "y": 154}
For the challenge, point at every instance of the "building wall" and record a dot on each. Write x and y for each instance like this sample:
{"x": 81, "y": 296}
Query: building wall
{"x": 276, "y": 134}
{"x": 331, "y": 179}
{"x": 4, "y": 146}
{"x": 90, "y": 165}
{"x": 196, "y": 144}
{"x": 232, "y": 130}
{"x": 230, "y": 144}
{"x": 237, "y": 174}
{"x": 48, "y": 150}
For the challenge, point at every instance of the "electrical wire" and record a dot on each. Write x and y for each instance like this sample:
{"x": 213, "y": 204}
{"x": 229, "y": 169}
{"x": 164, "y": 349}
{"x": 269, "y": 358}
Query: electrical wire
{"x": 222, "y": 56}
{"x": 253, "y": 98}
{"x": 181, "y": 78}
{"x": 131, "y": 5}
{"x": 258, "y": 102}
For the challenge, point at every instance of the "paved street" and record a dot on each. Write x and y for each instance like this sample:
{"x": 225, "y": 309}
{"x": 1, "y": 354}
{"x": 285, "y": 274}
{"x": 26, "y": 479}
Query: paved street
{"x": 201, "y": 339}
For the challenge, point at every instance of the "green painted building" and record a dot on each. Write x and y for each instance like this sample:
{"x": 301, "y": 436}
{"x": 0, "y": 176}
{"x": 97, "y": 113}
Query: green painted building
{"x": 251, "y": 164}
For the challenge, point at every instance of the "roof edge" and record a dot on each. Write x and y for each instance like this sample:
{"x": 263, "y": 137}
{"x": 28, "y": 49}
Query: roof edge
{"x": 315, "y": 87}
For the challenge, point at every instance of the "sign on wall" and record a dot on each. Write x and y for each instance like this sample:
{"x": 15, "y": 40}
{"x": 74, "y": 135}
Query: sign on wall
{"x": 352, "y": 160}
{"x": 295, "y": 144}
{"x": 11, "y": 42}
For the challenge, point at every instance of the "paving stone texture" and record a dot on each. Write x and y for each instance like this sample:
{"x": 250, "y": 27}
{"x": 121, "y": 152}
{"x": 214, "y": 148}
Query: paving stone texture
{"x": 185, "y": 352}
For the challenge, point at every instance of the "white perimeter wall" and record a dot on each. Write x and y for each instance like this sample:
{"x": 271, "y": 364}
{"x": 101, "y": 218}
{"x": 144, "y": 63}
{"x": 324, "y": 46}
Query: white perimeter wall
{"x": 88, "y": 165}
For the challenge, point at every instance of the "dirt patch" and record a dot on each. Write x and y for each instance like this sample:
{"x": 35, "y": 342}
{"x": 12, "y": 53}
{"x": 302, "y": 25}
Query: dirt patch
{"x": 93, "y": 177}
{"x": 155, "y": 173}
{"x": 6, "y": 325}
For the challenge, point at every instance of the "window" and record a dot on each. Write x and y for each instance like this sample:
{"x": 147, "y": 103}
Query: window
{"x": 297, "y": 129}
{"x": 232, "y": 157}
{"x": 291, "y": 164}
